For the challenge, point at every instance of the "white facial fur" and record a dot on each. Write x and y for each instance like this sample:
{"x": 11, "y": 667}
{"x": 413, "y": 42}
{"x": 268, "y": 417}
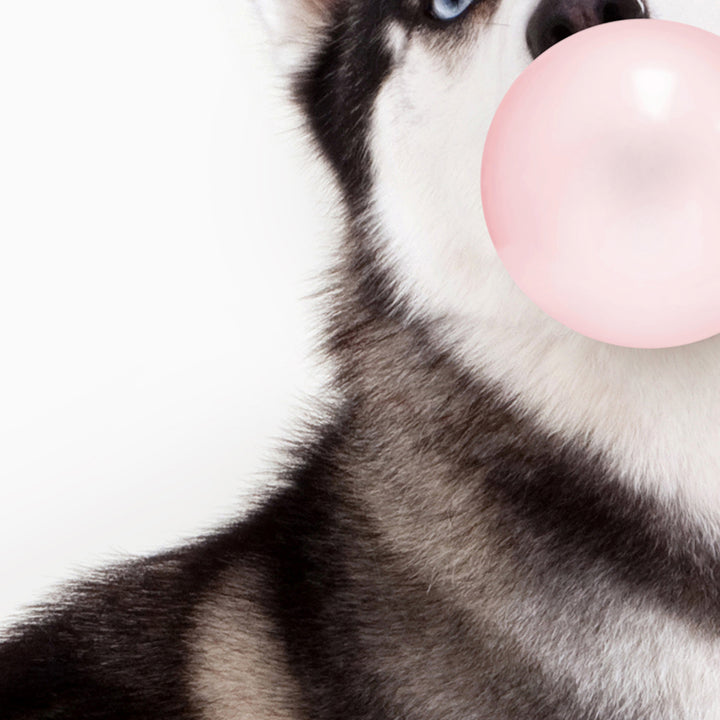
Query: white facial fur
{"x": 656, "y": 413}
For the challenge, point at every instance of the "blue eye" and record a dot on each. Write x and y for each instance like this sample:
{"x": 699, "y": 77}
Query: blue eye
{"x": 449, "y": 9}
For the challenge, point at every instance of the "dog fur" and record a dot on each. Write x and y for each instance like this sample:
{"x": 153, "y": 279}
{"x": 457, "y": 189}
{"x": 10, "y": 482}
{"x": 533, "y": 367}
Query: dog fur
{"x": 500, "y": 519}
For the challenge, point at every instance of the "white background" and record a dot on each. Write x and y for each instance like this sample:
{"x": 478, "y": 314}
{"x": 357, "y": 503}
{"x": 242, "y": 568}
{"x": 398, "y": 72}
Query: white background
{"x": 159, "y": 225}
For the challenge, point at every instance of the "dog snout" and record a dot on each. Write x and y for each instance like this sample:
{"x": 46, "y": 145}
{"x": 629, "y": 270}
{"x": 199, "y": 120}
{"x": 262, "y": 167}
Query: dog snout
{"x": 554, "y": 20}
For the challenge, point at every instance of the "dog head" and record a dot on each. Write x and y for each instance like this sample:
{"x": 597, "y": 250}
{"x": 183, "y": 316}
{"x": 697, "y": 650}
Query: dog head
{"x": 399, "y": 95}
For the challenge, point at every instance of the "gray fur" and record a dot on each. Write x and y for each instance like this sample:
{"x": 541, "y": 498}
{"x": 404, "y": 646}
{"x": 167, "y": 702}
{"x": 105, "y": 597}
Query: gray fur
{"x": 434, "y": 551}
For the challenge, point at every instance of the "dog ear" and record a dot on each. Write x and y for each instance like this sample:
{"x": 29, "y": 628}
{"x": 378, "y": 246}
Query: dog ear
{"x": 295, "y": 28}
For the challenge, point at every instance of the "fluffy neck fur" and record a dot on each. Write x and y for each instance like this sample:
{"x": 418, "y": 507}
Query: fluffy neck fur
{"x": 513, "y": 572}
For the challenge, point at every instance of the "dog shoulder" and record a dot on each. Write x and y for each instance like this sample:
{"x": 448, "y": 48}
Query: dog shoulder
{"x": 170, "y": 637}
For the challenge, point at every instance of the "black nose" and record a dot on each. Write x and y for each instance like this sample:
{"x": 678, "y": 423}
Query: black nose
{"x": 554, "y": 20}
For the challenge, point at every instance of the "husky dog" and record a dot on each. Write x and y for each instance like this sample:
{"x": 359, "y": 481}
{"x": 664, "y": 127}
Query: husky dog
{"x": 501, "y": 520}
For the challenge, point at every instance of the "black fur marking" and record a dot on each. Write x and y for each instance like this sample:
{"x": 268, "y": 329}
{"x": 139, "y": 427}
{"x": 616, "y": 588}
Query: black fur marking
{"x": 304, "y": 538}
{"x": 375, "y": 289}
{"x": 338, "y": 90}
{"x": 112, "y": 649}
{"x": 566, "y": 512}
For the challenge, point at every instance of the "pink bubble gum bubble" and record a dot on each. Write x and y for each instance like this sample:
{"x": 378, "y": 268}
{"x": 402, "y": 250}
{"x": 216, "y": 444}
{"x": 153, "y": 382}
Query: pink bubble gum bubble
{"x": 601, "y": 183}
